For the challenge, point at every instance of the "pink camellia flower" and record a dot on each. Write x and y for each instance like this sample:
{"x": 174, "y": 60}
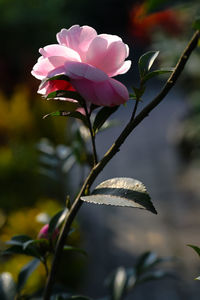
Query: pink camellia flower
{"x": 90, "y": 61}
{"x": 43, "y": 233}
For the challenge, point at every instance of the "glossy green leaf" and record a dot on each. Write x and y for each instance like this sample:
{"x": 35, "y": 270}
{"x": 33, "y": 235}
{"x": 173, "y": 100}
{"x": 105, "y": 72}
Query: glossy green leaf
{"x": 156, "y": 73}
{"x": 121, "y": 192}
{"x": 65, "y": 94}
{"x": 7, "y": 286}
{"x": 36, "y": 245}
{"x": 195, "y": 248}
{"x": 18, "y": 240}
{"x": 72, "y": 248}
{"x": 102, "y": 116}
{"x": 146, "y": 61}
{"x": 32, "y": 250}
{"x": 196, "y": 24}
{"x": 73, "y": 114}
{"x": 57, "y": 220}
{"x": 25, "y": 272}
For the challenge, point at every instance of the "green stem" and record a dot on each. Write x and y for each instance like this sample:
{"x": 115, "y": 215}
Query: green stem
{"x": 110, "y": 153}
{"x": 92, "y": 135}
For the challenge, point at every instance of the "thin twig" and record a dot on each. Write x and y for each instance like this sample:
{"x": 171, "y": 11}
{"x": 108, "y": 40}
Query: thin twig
{"x": 46, "y": 267}
{"x": 135, "y": 109}
{"x": 91, "y": 134}
{"x": 110, "y": 153}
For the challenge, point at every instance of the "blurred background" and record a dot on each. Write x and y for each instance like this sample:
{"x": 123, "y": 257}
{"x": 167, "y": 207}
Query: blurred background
{"x": 40, "y": 159}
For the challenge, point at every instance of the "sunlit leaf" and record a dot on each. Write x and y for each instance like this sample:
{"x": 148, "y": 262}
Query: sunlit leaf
{"x": 146, "y": 61}
{"x": 156, "y": 73}
{"x": 102, "y": 116}
{"x": 25, "y": 272}
{"x": 7, "y": 286}
{"x": 121, "y": 192}
{"x": 65, "y": 94}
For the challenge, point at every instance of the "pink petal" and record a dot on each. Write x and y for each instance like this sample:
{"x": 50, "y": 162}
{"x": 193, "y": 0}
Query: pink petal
{"x": 58, "y": 50}
{"x": 110, "y": 38}
{"x": 123, "y": 69}
{"x": 48, "y": 67}
{"x": 77, "y": 70}
{"x": 77, "y": 38}
{"x": 107, "y": 93}
{"x": 107, "y": 54}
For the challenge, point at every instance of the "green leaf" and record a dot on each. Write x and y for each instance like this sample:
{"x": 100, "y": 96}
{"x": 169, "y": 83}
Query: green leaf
{"x": 119, "y": 284}
{"x": 152, "y": 5}
{"x": 197, "y": 278}
{"x": 14, "y": 250}
{"x": 146, "y": 61}
{"x": 196, "y": 24}
{"x": 59, "y": 77}
{"x": 19, "y": 240}
{"x": 73, "y": 114}
{"x": 154, "y": 275}
{"x": 32, "y": 250}
{"x": 57, "y": 220}
{"x": 139, "y": 92}
{"x": 146, "y": 261}
{"x": 35, "y": 245}
{"x": 65, "y": 94}
{"x": 102, "y": 116}
{"x": 25, "y": 272}
{"x": 72, "y": 248}
{"x": 121, "y": 192}
{"x": 7, "y": 286}
{"x": 132, "y": 96}
{"x": 195, "y": 248}
{"x": 156, "y": 73}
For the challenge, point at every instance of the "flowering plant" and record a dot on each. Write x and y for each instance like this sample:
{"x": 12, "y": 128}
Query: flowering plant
{"x": 90, "y": 61}
{"x": 80, "y": 69}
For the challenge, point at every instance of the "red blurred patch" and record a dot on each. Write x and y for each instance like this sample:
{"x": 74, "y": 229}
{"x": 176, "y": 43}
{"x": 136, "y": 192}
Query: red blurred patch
{"x": 55, "y": 85}
{"x": 143, "y": 24}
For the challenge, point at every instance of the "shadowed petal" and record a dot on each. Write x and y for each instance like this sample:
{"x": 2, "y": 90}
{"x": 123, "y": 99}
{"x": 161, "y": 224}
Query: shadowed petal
{"x": 76, "y": 70}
